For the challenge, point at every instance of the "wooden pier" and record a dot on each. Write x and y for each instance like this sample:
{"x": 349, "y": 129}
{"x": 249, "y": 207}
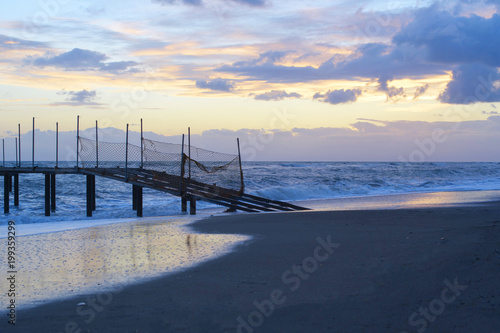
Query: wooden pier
{"x": 214, "y": 177}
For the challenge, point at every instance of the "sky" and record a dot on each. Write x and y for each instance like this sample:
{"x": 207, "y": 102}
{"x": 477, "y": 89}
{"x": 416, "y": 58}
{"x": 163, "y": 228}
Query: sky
{"x": 338, "y": 80}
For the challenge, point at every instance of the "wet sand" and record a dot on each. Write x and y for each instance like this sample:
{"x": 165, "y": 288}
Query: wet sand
{"x": 422, "y": 269}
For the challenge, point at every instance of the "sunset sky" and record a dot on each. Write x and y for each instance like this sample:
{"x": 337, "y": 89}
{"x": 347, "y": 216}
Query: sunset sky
{"x": 340, "y": 80}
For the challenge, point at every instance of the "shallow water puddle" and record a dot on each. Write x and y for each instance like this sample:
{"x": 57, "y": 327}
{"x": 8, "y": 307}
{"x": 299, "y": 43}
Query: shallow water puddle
{"x": 85, "y": 261}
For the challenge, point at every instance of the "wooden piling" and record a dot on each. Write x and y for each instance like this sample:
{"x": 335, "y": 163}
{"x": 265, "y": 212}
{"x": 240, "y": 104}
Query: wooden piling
{"x": 192, "y": 206}
{"x": 16, "y": 190}
{"x": 94, "y": 203}
{"x": 53, "y": 192}
{"x": 47, "y": 194}
{"x": 183, "y": 204}
{"x": 89, "y": 196}
{"x": 134, "y": 197}
{"x": 139, "y": 201}
{"x": 6, "y": 194}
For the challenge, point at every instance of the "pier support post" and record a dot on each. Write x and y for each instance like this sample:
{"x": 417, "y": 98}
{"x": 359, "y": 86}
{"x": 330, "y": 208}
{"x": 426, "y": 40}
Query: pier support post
{"x": 134, "y": 197}
{"x": 6, "y": 194}
{"x": 183, "y": 204}
{"x": 47, "y": 194}
{"x": 10, "y": 183}
{"x": 94, "y": 200}
{"x": 192, "y": 206}
{"x": 53, "y": 192}
{"x": 89, "y": 196}
{"x": 139, "y": 201}
{"x": 16, "y": 190}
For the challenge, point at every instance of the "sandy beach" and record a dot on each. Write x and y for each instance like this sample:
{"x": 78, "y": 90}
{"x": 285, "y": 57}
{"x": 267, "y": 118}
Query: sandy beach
{"x": 402, "y": 270}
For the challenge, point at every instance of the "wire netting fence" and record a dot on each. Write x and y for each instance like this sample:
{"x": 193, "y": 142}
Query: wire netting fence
{"x": 196, "y": 164}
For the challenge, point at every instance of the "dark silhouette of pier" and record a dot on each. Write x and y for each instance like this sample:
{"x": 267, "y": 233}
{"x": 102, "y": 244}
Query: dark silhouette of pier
{"x": 182, "y": 170}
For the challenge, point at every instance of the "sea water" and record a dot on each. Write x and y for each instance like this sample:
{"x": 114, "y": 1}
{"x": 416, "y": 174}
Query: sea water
{"x": 287, "y": 181}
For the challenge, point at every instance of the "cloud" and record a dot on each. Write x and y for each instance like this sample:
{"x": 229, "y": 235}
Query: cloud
{"x": 276, "y": 95}
{"x": 340, "y": 96}
{"x": 361, "y": 141}
{"x": 472, "y": 83}
{"x": 490, "y": 112}
{"x": 393, "y": 94}
{"x": 82, "y": 60}
{"x": 370, "y": 61}
{"x": 449, "y": 39}
{"x": 79, "y": 98}
{"x": 185, "y": 2}
{"x": 120, "y": 66}
{"x": 254, "y": 3}
{"x": 266, "y": 58}
{"x": 420, "y": 91}
{"x": 11, "y": 43}
{"x": 217, "y": 84}
{"x": 435, "y": 42}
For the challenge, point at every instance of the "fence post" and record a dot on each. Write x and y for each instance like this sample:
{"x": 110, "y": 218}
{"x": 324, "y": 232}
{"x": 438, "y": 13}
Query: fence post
{"x": 17, "y": 160}
{"x": 33, "y": 146}
{"x": 47, "y": 194}
{"x": 189, "y": 151}
{"x": 96, "y": 144}
{"x": 142, "y": 146}
{"x": 126, "y": 156}
{"x": 241, "y": 169}
{"x": 182, "y": 165}
{"x": 3, "y": 151}
{"x": 57, "y": 144}
{"x": 19, "y": 128}
{"x": 77, "y": 137}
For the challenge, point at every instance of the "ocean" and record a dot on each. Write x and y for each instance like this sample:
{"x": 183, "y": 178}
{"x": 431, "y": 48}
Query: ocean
{"x": 302, "y": 182}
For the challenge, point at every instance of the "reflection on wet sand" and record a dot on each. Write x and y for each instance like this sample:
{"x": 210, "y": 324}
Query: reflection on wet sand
{"x": 95, "y": 259}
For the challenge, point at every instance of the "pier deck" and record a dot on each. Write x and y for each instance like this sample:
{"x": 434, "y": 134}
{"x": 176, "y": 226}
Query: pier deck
{"x": 182, "y": 170}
